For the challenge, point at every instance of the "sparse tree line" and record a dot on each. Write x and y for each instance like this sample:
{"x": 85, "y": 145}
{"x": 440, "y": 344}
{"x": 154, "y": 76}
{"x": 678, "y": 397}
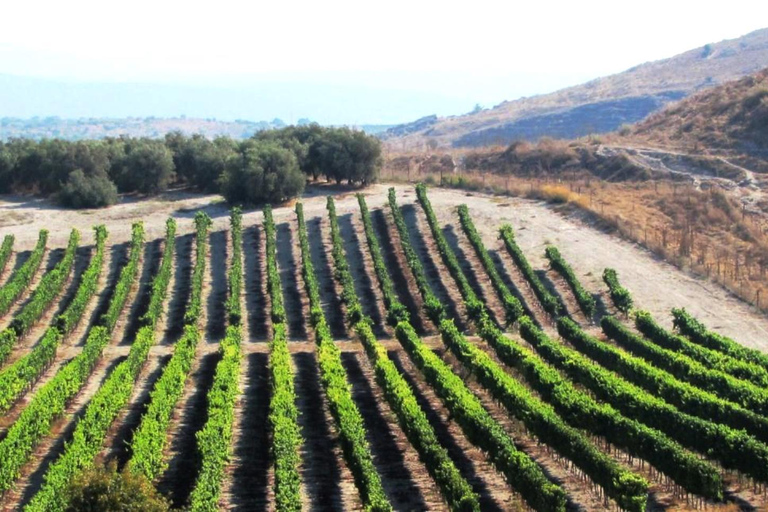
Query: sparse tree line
{"x": 272, "y": 166}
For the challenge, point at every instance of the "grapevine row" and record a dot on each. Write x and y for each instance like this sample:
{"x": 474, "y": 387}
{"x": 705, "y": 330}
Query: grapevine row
{"x": 583, "y": 297}
{"x": 215, "y": 438}
{"x": 686, "y": 397}
{"x": 349, "y": 421}
{"x": 283, "y": 413}
{"x": 734, "y": 449}
{"x": 16, "y": 378}
{"x": 629, "y": 490}
{"x": 686, "y": 369}
{"x": 512, "y": 307}
{"x": 5, "y": 251}
{"x": 476, "y": 423}
{"x": 19, "y": 281}
{"x": 549, "y": 302}
{"x": 150, "y": 438}
{"x": 49, "y": 288}
{"x": 107, "y": 403}
{"x": 582, "y": 411}
{"x": 399, "y": 395}
{"x": 699, "y": 334}
{"x": 51, "y": 400}
{"x": 711, "y": 358}
{"x": 620, "y": 296}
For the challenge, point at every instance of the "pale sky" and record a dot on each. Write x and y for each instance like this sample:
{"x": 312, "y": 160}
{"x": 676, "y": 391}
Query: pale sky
{"x": 501, "y": 49}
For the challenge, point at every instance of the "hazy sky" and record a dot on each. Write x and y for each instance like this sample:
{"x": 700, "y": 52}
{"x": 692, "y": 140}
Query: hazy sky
{"x": 501, "y": 50}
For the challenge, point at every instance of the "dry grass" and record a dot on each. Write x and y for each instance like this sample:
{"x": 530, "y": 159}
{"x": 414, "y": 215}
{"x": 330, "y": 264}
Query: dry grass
{"x": 705, "y": 232}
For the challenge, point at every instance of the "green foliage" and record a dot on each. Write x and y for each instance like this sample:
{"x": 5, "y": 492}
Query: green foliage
{"x": 629, "y": 490}
{"x": 745, "y": 370}
{"x": 549, "y": 302}
{"x": 699, "y": 334}
{"x": 620, "y": 296}
{"x": 127, "y": 278}
{"x": 349, "y": 421}
{"x": 104, "y": 407}
{"x": 686, "y": 397}
{"x": 480, "y": 428}
{"x": 5, "y": 251}
{"x": 583, "y": 297}
{"x": 150, "y": 439}
{"x": 107, "y": 490}
{"x": 21, "y": 279}
{"x": 512, "y": 307}
{"x": 16, "y": 378}
{"x": 201, "y": 161}
{"x": 734, "y": 449}
{"x": 51, "y": 400}
{"x": 583, "y": 412}
{"x": 215, "y": 438}
{"x": 283, "y": 414}
{"x": 81, "y": 191}
{"x": 146, "y": 166}
{"x": 686, "y": 369}
{"x": 263, "y": 172}
{"x": 412, "y": 419}
{"x": 475, "y": 421}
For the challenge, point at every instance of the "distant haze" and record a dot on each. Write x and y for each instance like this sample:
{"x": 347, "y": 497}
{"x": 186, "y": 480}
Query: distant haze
{"x": 336, "y": 62}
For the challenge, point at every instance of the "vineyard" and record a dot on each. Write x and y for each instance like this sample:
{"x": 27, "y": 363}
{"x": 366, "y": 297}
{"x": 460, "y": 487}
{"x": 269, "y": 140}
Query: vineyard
{"x": 373, "y": 352}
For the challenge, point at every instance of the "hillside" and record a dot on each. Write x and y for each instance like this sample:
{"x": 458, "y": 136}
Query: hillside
{"x": 598, "y": 106}
{"x": 732, "y": 117}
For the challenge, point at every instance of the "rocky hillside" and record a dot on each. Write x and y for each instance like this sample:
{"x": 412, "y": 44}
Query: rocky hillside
{"x": 599, "y": 106}
{"x": 732, "y": 118}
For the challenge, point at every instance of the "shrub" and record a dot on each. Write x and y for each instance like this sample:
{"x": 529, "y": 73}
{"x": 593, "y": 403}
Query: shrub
{"x": 264, "y": 172}
{"x": 82, "y": 191}
{"x": 107, "y": 490}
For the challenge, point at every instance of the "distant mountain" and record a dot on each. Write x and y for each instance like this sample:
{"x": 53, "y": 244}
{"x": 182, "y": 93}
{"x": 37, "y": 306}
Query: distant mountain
{"x": 97, "y": 128}
{"x": 732, "y": 117}
{"x": 598, "y": 106}
{"x": 288, "y": 98}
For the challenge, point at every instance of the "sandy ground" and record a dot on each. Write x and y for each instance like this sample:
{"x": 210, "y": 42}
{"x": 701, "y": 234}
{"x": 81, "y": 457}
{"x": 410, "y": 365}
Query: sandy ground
{"x": 656, "y": 286}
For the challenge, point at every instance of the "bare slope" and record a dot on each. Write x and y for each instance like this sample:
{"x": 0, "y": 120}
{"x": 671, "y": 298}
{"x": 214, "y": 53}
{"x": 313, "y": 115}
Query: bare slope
{"x": 601, "y": 105}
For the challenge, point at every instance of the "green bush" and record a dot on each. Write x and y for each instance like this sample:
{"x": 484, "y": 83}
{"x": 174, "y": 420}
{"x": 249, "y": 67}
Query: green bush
{"x": 81, "y": 191}
{"x": 105, "y": 489}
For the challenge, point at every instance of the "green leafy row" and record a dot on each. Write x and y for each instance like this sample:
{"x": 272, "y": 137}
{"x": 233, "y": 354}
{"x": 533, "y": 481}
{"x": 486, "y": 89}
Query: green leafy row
{"x": 583, "y": 297}
{"x": 686, "y": 369}
{"x": 89, "y": 282}
{"x": 549, "y": 302}
{"x": 512, "y": 307}
{"x": 106, "y": 404}
{"x": 734, "y": 449}
{"x": 745, "y": 370}
{"x": 49, "y": 288}
{"x": 16, "y": 378}
{"x": 432, "y": 305}
{"x": 5, "y": 251}
{"x": 150, "y": 438}
{"x": 629, "y": 490}
{"x": 699, "y": 334}
{"x": 349, "y": 421}
{"x": 283, "y": 413}
{"x": 682, "y": 395}
{"x": 51, "y": 400}
{"x": 476, "y": 423}
{"x": 582, "y": 411}
{"x": 620, "y": 296}
{"x": 19, "y": 281}
{"x": 214, "y": 440}
{"x": 480, "y": 428}
{"x": 399, "y": 395}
